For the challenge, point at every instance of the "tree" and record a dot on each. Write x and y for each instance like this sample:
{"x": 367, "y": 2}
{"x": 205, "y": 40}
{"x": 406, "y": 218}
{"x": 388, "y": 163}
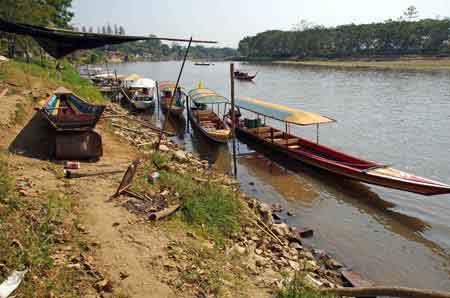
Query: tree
{"x": 411, "y": 13}
{"x": 91, "y": 29}
{"x": 109, "y": 29}
{"x": 83, "y": 29}
{"x": 116, "y": 29}
{"x": 103, "y": 30}
{"x": 121, "y": 30}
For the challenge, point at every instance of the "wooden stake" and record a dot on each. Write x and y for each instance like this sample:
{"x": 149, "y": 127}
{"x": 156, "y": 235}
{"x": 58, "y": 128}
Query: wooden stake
{"x": 173, "y": 95}
{"x": 233, "y": 118}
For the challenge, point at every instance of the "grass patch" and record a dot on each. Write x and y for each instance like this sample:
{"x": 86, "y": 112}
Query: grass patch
{"x": 206, "y": 205}
{"x": 296, "y": 287}
{"x": 20, "y": 113}
{"x": 23, "y": 74}
{"x": 30, "y": 230}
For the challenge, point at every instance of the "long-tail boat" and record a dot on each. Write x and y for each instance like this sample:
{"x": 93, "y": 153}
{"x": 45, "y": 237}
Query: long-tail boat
{"x": 66, "y": 111}
{"x": 202, "y": 116}
{"x": 312, "y": 153}
{"x": 244, "y": 76}
{"x": 167, "y": 90}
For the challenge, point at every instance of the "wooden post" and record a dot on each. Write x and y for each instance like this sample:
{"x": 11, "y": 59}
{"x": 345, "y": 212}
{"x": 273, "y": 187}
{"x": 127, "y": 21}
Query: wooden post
{"x": 173, "y": 95}
{"x": 158, "y": 99}
{"x": 116, "y": 89}
{"x": 187, "y": 113}
{"x": 317, "y": 134}
{"x": 233, "y": 118}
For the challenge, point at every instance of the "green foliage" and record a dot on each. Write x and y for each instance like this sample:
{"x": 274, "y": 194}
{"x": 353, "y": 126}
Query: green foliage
{"x": 6, "y": 184}
{"x": 296, "y": 287}
{"x": 401, "y": 37}
{"x": 208, "y": 206}
{"x": 69, "y": 77}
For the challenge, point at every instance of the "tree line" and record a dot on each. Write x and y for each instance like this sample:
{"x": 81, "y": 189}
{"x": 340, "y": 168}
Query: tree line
{"x": 404, "y": 36}
{"x": 105, "y": 29}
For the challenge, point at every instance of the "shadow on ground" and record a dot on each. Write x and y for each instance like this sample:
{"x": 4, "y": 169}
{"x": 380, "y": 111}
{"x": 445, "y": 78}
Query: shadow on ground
{"x": 35, "y": 140}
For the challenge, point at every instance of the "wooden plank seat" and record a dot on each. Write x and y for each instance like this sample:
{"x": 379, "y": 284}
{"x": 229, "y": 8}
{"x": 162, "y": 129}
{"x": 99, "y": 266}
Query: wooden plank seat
{"x": 260, "y": 129}
{"x": 268, "y": 135}
{"x": 286, "y": 142}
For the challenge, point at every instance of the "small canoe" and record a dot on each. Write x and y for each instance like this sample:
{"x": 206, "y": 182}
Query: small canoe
{"x": 166, "y": 90}
{"x": 323, "y": 157}
{"x": 204, "y": 119}
{"x": 66, "y": 111}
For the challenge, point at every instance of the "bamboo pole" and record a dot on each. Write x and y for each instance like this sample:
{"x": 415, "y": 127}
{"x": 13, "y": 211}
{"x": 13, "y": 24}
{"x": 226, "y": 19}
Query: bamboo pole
{"x": 233, "y": 118}
{"x": 173, "y": 95}
{"x": 386, "y": 292}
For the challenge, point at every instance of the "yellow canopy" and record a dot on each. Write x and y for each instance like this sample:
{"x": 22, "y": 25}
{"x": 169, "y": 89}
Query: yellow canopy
{"x": 132, "y": 77}
{"x": 280, "y": 112}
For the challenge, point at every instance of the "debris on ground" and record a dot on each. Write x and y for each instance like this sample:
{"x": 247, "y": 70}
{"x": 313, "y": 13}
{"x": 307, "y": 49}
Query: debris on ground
{"x": 11, "y": 283}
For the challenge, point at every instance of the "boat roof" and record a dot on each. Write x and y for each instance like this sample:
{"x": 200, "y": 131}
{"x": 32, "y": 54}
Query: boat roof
{"x": 62, "y": 90}
{"x": 167, "y": 86}
{"x": 281, "y": 112}
{"x": 206, "y": 96}
{"x": 143, "y": 83}
{"x": 132, "y": 77}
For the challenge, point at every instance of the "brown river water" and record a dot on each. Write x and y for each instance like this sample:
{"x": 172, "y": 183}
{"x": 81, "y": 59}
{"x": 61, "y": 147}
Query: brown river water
{"x": 393, "y": 117}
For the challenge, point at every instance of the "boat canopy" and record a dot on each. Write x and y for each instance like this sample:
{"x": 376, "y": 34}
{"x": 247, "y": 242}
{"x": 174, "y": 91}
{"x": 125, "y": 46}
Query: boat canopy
{"x": 143, "y": 83}
{"x": 206, "y": 96}
{"x": 168, "y": 86}
{"x": 132, "y": 77}
{"x": 280, "y": 112}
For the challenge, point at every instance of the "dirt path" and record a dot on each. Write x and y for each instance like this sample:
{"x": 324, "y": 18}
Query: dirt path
{"x": 127, "y": 252}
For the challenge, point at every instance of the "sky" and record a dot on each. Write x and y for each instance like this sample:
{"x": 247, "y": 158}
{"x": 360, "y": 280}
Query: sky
{"x": 228, "y": 21}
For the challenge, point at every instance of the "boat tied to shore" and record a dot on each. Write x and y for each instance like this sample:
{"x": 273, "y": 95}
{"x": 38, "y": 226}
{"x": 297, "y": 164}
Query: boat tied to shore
{"x": 141, "y": 93}
{"x": 203, "y": 117}
{"x": 66, "y": 111}
{"x": 167, "y": 91}
{"x": 257, "y": 132}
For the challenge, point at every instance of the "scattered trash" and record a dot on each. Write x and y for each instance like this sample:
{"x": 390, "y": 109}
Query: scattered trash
{"x": 153, "y": 176}
{"x": 3, "y": 59}
{"x": 127, "y": 178}
{"x": 3, "y": 93}
{"x": 72, "y": 165}
{"x": 11, "y": 283}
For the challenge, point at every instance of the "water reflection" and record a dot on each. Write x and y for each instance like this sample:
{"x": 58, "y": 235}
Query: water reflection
{"x": 389, "y": 236}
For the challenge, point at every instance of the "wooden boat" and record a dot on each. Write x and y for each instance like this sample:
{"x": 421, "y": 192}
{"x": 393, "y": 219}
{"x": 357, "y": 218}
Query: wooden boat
{"x": 324, "y": 157}
{"x": 66, "y": 111}
{"x": 244, "y": 76}
{"x": 204, "y": 119}
{"x": 141, "y": 93}
{"x": 166, "y": 90}
{"x": 202, "y": 63}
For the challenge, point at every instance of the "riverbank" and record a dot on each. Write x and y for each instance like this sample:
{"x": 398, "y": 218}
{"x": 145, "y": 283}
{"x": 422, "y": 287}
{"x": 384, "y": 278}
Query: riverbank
{"x": 417, "y": 64}
{"x": 74, "y": 241}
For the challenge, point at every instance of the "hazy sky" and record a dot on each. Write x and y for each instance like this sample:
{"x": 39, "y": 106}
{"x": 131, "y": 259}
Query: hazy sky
{"x": 227, "y": 21}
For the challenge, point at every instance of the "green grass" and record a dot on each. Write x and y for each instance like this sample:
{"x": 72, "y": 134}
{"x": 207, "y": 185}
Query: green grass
{"x": 22, "y": 74}
{"x": 208, "y": 207}
{"x": 296, "y": 287}
{"x": 20, "y": 113}
{"x": 29, "y": 232}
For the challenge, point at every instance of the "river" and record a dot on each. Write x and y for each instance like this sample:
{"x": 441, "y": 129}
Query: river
{"x": 393, "y": 117}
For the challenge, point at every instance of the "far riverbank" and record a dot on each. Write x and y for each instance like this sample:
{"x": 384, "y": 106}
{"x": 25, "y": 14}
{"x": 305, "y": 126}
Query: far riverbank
{"x": 420, "y": 64}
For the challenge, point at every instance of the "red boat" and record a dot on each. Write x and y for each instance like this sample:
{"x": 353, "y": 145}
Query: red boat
{"x": 253, "y": 132}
